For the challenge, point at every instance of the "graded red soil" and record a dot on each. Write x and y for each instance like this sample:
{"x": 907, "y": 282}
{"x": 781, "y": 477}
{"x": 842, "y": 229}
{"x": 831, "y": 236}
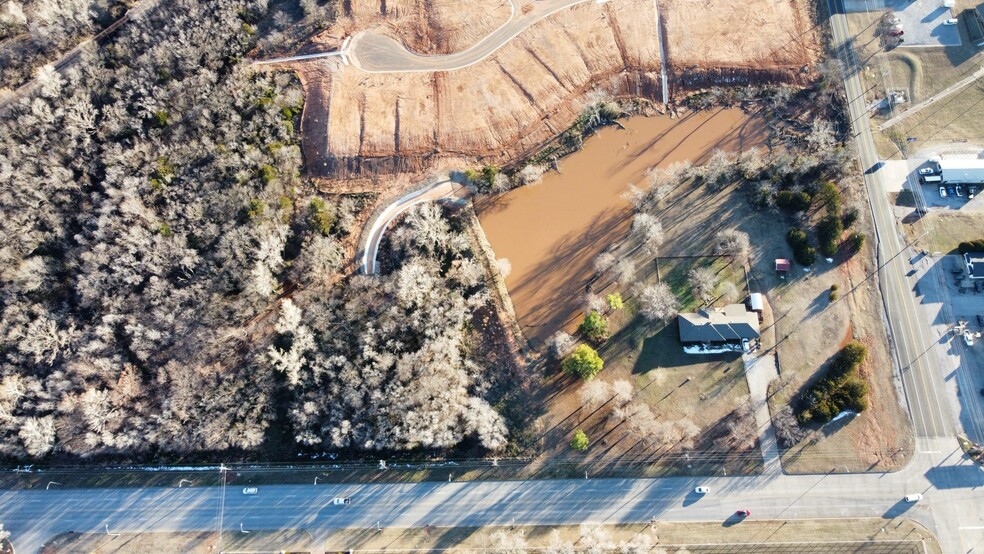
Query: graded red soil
{"x": 551, "y": 232}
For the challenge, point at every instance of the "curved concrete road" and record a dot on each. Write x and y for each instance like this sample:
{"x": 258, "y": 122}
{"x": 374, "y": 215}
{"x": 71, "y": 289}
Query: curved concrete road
{"x": 439, "y": 189}
{"x": 374, "y": 53}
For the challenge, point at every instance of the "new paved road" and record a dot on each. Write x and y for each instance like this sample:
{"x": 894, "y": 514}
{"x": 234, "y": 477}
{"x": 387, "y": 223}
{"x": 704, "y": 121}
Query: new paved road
{"x": 374, "y": 53}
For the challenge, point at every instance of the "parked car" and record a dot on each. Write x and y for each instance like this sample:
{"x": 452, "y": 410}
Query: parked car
{"x": 942, "y": 192}
{"x": 743, "y": 513}
{"x": 702, "y": 490}
{"x": 968, "y": 338}
{"x": 971, "y": 191}
{"x": 959, "y": 190}
{"x": 951, "y": 21}
{"x": 911, "y": 498}
{"x": 250, "y": 490}
{"x": 950, "y": 190}
{"x": 896, "y": 33}
{"x": 980, "y": 319}
{"x": 341, "y": 501}
{"x": 926, "y": 171}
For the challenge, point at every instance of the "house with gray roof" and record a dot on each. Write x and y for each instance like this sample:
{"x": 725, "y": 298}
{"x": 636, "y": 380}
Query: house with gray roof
{"x": 718, "y": 325}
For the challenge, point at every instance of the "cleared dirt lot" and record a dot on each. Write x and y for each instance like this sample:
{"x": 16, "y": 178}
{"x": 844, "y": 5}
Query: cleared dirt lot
{"x": 535, "y": 86}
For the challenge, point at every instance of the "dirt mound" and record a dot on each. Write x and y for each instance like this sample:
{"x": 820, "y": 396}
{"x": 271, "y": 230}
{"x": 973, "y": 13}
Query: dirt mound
{"x": 531, "y": 89}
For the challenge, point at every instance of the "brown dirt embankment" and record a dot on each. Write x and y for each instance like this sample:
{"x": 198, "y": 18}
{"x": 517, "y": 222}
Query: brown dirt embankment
{"x": 536, "y": 85}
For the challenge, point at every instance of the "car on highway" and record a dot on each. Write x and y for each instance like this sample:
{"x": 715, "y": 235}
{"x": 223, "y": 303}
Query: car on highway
{"x": 250, "y": 490}
{"x": 341, "y": 501}
{"x": 912, "y": 498}
{"x": 951, "y": 21}
{"x": 702, "y": 490}
{"x": 926, "y": 171}
{"x": 743, "y": 513}
{"x": 942, "y": 192}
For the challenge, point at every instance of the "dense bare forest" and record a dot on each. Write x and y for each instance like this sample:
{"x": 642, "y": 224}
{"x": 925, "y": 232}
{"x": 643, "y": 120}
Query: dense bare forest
{"x": 154, "y": 215}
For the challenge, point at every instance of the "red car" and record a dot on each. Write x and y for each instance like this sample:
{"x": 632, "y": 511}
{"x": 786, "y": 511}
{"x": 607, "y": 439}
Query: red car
{"x": 743, "y": 513}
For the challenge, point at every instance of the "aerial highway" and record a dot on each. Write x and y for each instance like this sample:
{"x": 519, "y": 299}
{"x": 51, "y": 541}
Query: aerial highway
{"x": 950, "y": 484}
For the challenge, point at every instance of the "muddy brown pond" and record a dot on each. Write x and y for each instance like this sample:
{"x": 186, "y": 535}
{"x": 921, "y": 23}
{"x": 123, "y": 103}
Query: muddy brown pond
{"x": 551, "y": 232}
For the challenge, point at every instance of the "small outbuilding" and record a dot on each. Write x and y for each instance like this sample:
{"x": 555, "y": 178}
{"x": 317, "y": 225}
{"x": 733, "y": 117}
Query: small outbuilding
{"x": 975, "y": 264}
{"x": 756, "y": 303}
{"x": 783, "y": 265}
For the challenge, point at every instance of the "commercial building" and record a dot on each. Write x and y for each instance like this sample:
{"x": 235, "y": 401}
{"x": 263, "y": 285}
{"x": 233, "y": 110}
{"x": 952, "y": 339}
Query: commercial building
{"x": 961, "y": 171}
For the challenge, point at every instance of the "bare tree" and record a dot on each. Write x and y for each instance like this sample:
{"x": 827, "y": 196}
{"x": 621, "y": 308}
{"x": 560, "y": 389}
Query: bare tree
{"x": 624, "y": 271}
{"x": 623, "y": 392}
{"x": 702, "y": 282}
{"x": 561, "y": 344}
{"x": 732, "y": 242}
{"x": 788, "y": 430}
{"x": 594, "y": 393}
{"x": 649, "y": 231}
{"x": 604, "y": 262}
{"x": 657, "y": 302}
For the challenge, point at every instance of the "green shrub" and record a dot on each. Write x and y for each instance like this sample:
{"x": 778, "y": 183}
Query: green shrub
{"x": 256, "y": 208}
{"x": 804, "y": 254}
{"x": 856, "y": 242}
{"x": 614, "y": 301}
{"x": 594, "y": 327}
{"x": 839, "y": 389}
{"x": 268, "y": 173}
{"x": 829, "y": 231}
{"x": 829, "y": 196}
{"x": 321, "y": 218}
{"x": 584, "y": 362}
{"x": 580, "y": 441}
{"x": 793, "y": 201}
{"x": 850, "y": 217}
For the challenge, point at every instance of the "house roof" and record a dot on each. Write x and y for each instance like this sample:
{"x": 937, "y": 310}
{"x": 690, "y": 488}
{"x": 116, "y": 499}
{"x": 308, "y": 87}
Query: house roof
{"x": 975, "y": 264}
{"x": 731, "y": 323}
{"x": 782, "y": 264}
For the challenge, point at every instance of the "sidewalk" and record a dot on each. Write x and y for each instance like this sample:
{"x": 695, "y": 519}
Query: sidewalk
{"x": 760, "y": 370}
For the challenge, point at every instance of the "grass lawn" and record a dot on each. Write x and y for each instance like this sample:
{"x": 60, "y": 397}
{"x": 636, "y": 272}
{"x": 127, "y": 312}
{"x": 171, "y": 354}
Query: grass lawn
{"x": 832, "y": 536}
{"x": 947, "y": 229}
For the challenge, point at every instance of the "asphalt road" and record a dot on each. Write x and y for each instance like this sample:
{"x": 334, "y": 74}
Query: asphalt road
{"x": 952, "y": 489}
{"x": 923, "y": 383}
{"x": 374, "y": 53}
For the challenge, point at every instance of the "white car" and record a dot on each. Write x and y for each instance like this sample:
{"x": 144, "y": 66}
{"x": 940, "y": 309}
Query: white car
{"x": 912, "y": 498}
{"x": 951, "y": 21}
{"x": 702, "y": 490}
{"x": 942, "y": 192}
{"x": 250, "y": 490}
{"x": 341, "y": 501}
{"x": 926, "y": 171}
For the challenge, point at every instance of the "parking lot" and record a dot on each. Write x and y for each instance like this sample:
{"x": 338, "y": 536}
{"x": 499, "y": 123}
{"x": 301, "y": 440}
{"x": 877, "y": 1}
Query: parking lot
{"x": 922, "y": 20}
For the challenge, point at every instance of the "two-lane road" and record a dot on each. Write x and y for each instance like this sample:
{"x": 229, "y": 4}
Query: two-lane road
{"x": 921, "y": 379}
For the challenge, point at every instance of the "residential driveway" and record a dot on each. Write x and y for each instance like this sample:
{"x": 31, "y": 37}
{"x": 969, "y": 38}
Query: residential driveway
{"x": 760, "y": 370}
{"x": 921, "y": 20}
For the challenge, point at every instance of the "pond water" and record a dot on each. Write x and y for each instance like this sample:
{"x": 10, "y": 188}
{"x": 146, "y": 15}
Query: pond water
{"x": 552, "y": 231}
